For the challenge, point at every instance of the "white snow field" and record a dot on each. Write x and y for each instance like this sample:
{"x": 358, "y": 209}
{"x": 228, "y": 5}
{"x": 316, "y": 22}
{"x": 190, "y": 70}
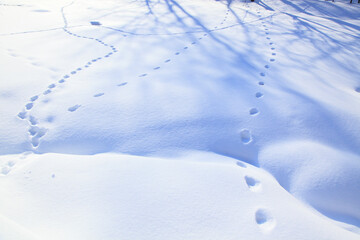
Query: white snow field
{"x": 179, "y": 119}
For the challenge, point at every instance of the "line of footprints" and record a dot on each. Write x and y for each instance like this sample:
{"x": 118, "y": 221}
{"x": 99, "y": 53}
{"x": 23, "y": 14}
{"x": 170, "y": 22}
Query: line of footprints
{"x": 157, "y": 67}
{"x": 263, "y": 216}
{"x": 36, "y": 132}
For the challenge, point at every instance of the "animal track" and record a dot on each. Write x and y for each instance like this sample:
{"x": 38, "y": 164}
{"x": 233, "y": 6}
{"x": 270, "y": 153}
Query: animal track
{"x": 245, "y": 136}
{"x": 34, "y": 98}
{"x": 240, "y": 164}
{"x": 122, "y": 84}
{"x": 99, "y": 95}
{"x": 37, "y": 134}
{"x": 5, "y": 170}
{"x": 253, "y": 184}
{"x": 32, "y": 120}
{"x": 264, "y": 219}
{"x": 253, "y": 111}
{"x": 22, "y": 115}
{"x": 74, "y": 108}
{"x": 29, "y": 106}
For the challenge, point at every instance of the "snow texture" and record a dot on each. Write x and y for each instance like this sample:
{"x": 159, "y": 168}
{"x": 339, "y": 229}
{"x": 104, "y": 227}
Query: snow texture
{"x": 179, "y": 119}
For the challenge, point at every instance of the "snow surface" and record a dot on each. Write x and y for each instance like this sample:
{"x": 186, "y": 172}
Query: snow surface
{"x": 179, "y": 119}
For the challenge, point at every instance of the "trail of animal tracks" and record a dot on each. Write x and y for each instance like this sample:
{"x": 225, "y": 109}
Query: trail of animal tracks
{"x": 179, "y": 119}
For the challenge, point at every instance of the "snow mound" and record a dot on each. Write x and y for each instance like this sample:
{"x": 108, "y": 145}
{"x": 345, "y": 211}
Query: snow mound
{"x": 324, "y": 177}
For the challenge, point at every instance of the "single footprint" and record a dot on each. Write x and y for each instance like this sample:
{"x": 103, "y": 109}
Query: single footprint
{"x": 267, "y": 66}
{"x": 66, "y": 76}
{"x": 253, "y": 111}
{"x": 52, "y": 85}
{"x": 262, "y": 74}
{"x": 253, "y": 184}
{"x": 205, "y": 35}
{"x": 156, "y": 68}
{"x": 177, "y": 53}
{"x": 186, "y": 48}
{"x": 29, "y": 106}
{"x": 271, "y": 43}
{"x": 33, "y": 130}
{"x": 122, "y": 84}
{"x": 74, "y": 108}
{"x": 5, "y": 170}
{"x": 143, "y": 75}
{"x": 79, "y": 69}
{"x": 35, "y": 140}
{"x": 272, "y": 48}
{"x": 264, "y": 219}
{"x": 167, "y": 60}
{"x": 245, "y": 136}
{"x": 34, "y": 98}
{"x": 261, "y": 83}
{"x": 273, "y": 54}
{"x": 357, "y": 89}
{"x": 259, "y": 95}
{"x": 22, "y": 115}
{"x": 61, "y": 81}
{"x": 99, "y": 94}
{"x": 47, "y": 92}
{"x": 240, "y": 164}
{"x": 33, "y": 121}
{"x": 200, "y": 38}
{"x": 73, "y": 72}
{"x": 272, "y": 60}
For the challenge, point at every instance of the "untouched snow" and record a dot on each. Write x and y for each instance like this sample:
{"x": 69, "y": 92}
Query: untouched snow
{"x": 179, "y": 119}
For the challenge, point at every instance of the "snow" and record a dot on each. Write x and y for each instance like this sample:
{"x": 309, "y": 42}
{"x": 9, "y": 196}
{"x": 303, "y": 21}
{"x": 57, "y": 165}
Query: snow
{"x": 179, "y": 119}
